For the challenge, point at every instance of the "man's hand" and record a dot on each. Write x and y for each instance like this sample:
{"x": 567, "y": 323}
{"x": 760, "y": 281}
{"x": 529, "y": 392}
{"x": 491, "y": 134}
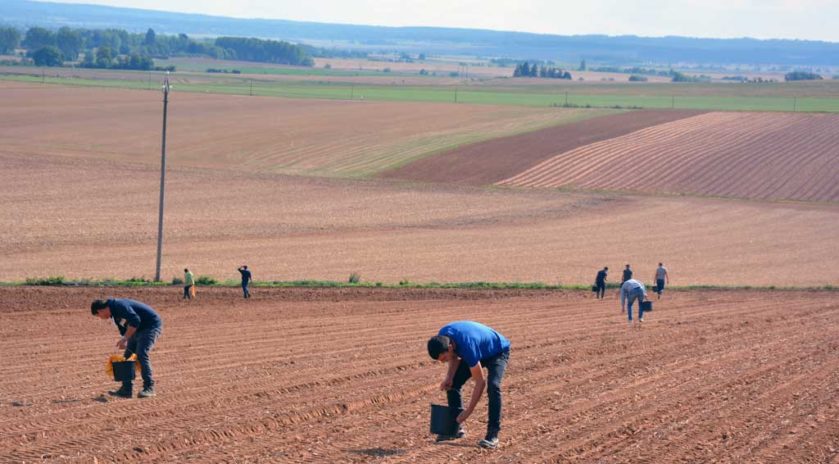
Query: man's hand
{"x": 461, "y": 418}
{"x": 122, "y": 343}
{"x": 446, "y": 384}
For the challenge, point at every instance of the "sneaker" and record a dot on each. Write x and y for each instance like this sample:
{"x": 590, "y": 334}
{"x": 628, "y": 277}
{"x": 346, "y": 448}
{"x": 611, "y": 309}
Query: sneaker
{"x": 146, "y": 393}
{"x": 459, "y": 434}
{"x": 489, "y": 443}
{"x": 121, "y": 393}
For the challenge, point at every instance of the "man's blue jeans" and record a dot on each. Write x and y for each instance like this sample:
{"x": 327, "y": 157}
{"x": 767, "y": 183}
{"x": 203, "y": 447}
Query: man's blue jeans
{"x": 141, "y": 344}
{"x": 636, "y": 294}
{"x": 496, "y": 366}
{"x": 245, "y": 290}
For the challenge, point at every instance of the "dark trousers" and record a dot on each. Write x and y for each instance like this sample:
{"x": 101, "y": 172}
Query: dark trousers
{"x": 245, "y": 290}
{"x": 187, "y": 295}
{"x": 659, "y": 286}
{"x": 141, "y": 344}
{"x": 496, "y": 366}
{"x": 601, "y": 289}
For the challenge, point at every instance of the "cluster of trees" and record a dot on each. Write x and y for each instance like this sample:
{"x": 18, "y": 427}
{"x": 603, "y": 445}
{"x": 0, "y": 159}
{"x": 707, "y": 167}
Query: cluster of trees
{"x": 682, "y": 77}
{"x": 802, "y": 76}
{"x": 119, "y": 49}
{"x": 527, "y": 70}
{"x": 268, "y": 51}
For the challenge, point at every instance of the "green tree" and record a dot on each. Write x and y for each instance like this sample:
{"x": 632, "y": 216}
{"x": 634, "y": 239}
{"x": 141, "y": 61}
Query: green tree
{"x": 69, "y": 42}
{"x": 104, "y": 57}
{"x": 9, "y": 39}
{"x": 38, "y": 37}
{"x": 150, "y": 37}
{"x": 47, "y": 56}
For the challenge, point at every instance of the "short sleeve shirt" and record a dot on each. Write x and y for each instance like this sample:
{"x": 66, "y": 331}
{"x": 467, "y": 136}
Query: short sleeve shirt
{"x": 135, "y": 314}
{"x": 475, "y": 341}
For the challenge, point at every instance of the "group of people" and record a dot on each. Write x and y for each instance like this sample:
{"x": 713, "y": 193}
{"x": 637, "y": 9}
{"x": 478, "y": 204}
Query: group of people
{"x": 467, "y": 347}
{"x": 632, "y": 290}
{"x": 189, "y": 282}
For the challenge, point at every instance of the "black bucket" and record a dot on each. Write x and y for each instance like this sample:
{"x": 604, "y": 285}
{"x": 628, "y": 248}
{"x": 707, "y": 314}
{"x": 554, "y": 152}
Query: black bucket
{"x": 442, "y": 422}
{"x": 646, "y": 306}
{"x": 124, "y": 371}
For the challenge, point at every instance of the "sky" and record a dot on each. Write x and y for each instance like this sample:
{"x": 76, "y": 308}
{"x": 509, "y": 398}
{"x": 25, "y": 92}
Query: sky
{"x": 762, "y": 19}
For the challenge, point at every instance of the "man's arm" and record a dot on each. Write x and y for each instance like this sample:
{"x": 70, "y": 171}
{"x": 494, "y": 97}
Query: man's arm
{"x": 480, "y": 383}
{"x": 454, "y": 363}
{"x": 129, "y": 332}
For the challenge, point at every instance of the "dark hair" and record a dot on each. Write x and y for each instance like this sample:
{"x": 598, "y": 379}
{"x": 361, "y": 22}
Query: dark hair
{"x": 606, "y": 268}
{"x": 186, "y": 270}
{"x": 437, "y": 346}
{"x": 97, "y": 305}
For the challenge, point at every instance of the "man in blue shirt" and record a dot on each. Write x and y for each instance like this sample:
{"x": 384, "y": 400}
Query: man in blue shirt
{"x": 467, "y": 346}
{"x": 246, "y": 279}
{"x": 140, "y": 326}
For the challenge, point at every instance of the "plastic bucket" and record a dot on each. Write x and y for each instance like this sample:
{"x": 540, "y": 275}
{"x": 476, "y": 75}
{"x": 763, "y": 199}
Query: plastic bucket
{"x": 442, "y": 422}
{"x": 646, "y": 306}
{"x": 124, "y": 371}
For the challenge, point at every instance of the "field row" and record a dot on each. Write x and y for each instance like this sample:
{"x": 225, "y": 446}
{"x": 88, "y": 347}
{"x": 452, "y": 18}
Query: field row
{"x": 732, "y": 376}
{"x": 710, "y": 97}
{"x": 746, "y": 155}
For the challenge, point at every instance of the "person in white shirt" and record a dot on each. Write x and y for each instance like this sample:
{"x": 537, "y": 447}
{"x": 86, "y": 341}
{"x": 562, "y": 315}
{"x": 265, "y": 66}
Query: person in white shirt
{"x": 633, "y": 290}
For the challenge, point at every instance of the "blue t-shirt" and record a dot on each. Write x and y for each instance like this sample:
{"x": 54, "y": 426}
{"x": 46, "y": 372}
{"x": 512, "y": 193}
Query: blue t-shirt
{"x": 135, "y": 314}
{"x": 474, "y": 341}
{"x": 246, "y": 275}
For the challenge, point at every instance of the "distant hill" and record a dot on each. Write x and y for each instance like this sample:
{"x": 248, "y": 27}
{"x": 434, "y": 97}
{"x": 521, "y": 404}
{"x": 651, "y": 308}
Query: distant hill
{"x": 596, "y": 49}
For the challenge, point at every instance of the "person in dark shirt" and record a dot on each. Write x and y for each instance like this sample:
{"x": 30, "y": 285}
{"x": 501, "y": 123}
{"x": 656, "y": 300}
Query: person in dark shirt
{"x": 468, "y": 346}
{"x": 140, "y": 327}
{"x": 600, "y": 282}
{"x": 627, "y": 274}
{"x": 246, "y": 279}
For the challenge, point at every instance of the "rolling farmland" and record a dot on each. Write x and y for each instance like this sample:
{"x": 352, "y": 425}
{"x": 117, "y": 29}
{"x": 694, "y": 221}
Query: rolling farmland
{"x": 746, "y": 155}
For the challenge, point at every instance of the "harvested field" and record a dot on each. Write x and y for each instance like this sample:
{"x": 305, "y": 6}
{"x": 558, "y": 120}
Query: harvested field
{"x": 746, "y": 155}
{"x": 95, "y": 219}
{"x": 494, "y": 160}
{"x": 307, "y": 137}
{"x": 342, "y": 376}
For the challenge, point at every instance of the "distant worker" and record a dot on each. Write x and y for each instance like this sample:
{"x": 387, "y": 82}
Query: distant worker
{"x": 627, "y": 274}
{"x": 468, "y": 346}
{"x": 633, "y": 290}
{"x": 247, "y": 278}
{"x": 600, "y": 282}
{"x": 661, "y": 278}
{"x": 189, "y": 284}
{"x": 140, "y": 327}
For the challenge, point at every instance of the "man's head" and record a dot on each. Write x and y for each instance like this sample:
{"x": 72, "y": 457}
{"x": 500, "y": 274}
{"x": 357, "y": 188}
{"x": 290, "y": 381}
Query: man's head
{"x": 606, "y": 268}
{"x": 186, "y": 270}
{"x": 100, "y": 309}
{"x": 440, "y": 348}
{"x": 660, "y": 264}
{"x": 244, "y": 267}
{"x": 627, "y": 266}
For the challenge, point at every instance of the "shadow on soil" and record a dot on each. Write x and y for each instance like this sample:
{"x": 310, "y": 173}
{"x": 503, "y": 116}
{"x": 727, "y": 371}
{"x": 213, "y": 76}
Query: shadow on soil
{"x": 378, "y": 452}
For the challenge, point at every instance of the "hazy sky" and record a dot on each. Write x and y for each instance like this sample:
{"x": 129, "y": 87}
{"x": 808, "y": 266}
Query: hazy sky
{"x": 787, "y": 19}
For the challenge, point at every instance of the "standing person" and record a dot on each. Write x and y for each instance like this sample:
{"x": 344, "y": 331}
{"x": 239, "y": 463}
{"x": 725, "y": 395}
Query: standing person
{"x": 661, "y": 277}
{"x": 140, "y": 327}
{"x": 189, "y": 282}
{"x": 247, "y": 278}
{"x": 467, "y": 346}
{"x": 633, "y": 290}
{"x": 627, "y": 274}
{"x": 600, "y": 282}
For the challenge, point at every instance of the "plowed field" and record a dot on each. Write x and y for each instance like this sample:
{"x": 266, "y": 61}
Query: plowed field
{"x": 342, "y": 376}
{"x": 96, "y": 219}
{"x": 494, "y": 160}
{"x": 307, "y": 137}
{"x": 747, "y": 155}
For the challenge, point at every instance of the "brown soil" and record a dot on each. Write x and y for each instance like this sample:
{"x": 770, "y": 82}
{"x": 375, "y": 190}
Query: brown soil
{"x": 95, "y": 219}
{"x": 342, "y": 376}
{"x": 494, "y": 160}
{"x": 747, "y": 155}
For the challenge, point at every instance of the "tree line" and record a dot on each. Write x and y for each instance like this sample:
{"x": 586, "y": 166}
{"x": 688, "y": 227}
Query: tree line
{"x": 527, "y": 70}
{"x": 120, "y": 49}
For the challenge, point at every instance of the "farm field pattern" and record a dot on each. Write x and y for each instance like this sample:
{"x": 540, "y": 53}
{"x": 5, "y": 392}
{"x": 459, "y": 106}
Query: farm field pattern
{"x": 746, "y": 155}
{"x": 307, "y": 376}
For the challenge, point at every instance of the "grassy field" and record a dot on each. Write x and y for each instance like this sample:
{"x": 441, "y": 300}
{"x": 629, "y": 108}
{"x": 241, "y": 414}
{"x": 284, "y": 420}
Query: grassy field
{"x": 706, "y": 97}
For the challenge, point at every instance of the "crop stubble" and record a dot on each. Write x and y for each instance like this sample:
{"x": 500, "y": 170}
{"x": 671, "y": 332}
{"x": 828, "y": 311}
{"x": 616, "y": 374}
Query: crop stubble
{"x": 341, "y": 376}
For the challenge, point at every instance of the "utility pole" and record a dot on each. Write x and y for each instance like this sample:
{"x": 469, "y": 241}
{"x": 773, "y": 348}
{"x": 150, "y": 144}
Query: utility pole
{"x": 455, "y": 94}
{"x": 162, "y": 177}
{"x": 794, "y": 104}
